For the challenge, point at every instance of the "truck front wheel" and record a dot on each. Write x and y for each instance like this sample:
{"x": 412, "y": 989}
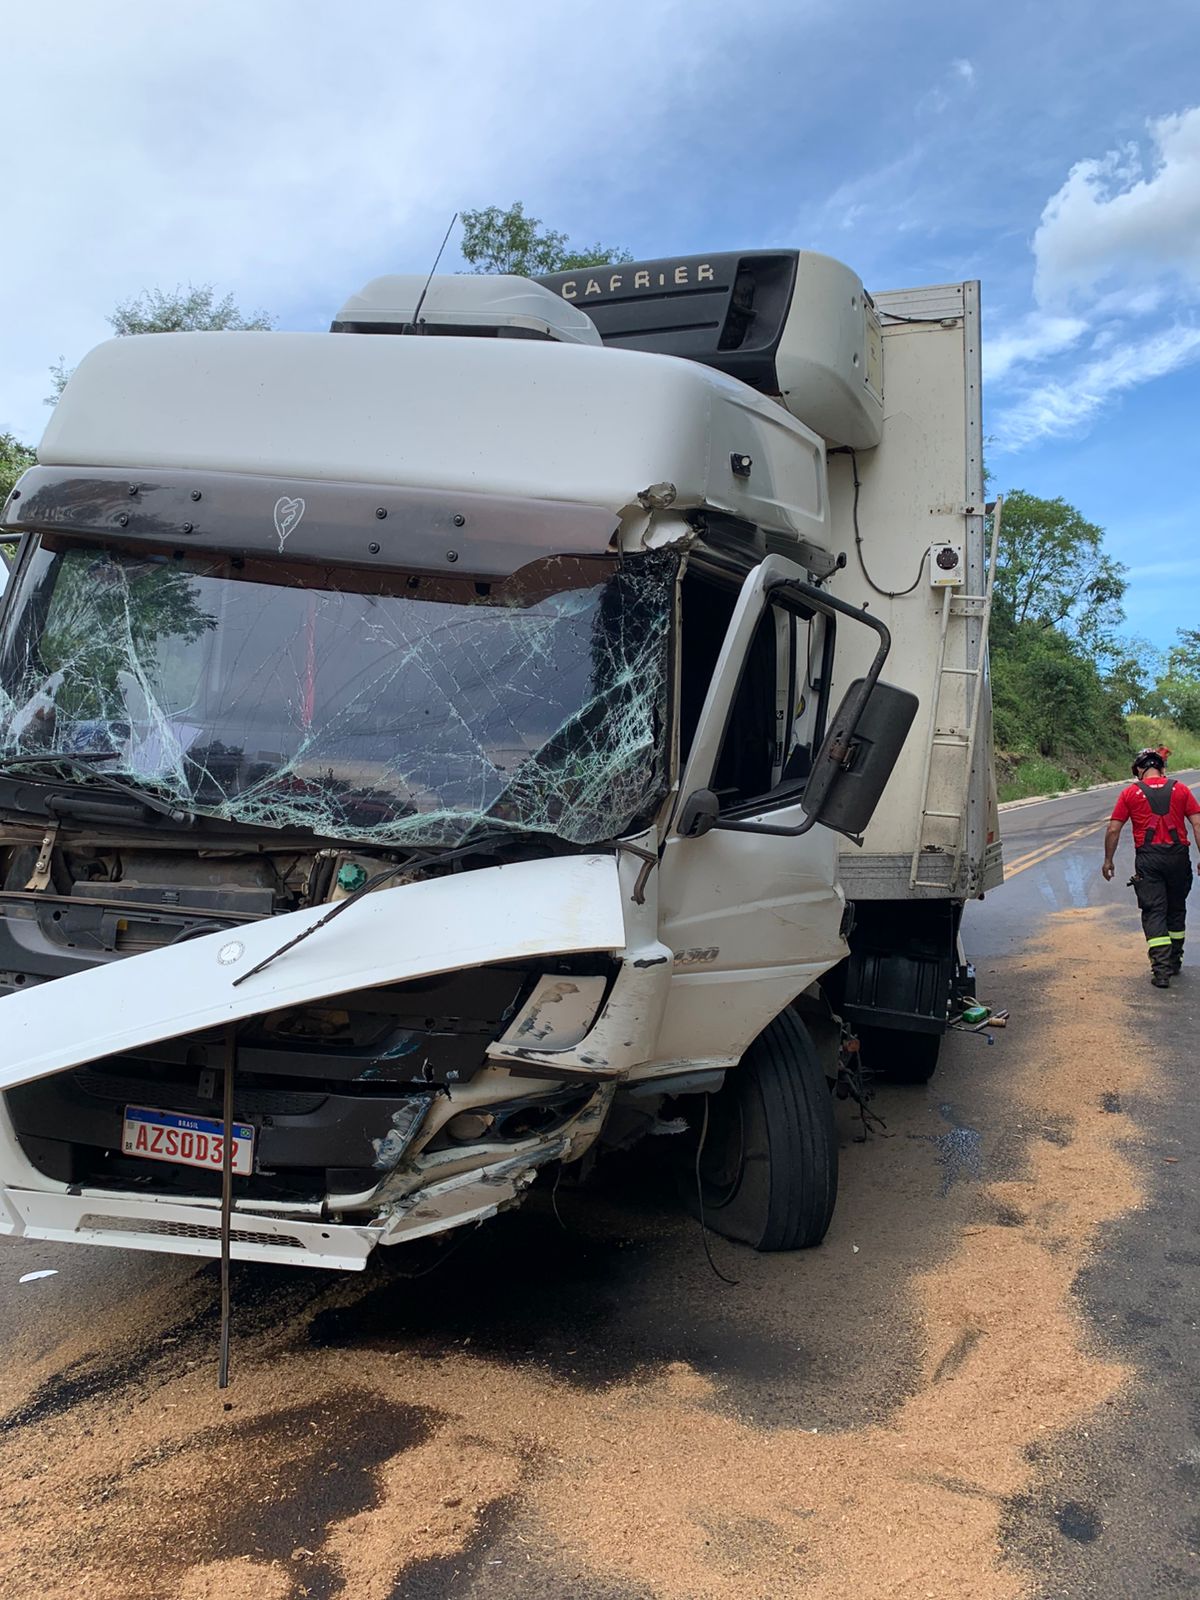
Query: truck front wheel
{"x": 768, "y": 1165}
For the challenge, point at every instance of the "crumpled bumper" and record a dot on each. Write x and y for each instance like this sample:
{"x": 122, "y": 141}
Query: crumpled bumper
{"x": 193, "y": 1228}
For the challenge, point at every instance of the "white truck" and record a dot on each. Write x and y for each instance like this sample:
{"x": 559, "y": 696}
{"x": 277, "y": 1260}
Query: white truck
{"x": 443, "y": 747}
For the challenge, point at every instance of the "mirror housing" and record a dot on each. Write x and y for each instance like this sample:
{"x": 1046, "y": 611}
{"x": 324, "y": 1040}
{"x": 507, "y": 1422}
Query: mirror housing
{"x": 700, "y": 813}
{"x": 858, "y": 756}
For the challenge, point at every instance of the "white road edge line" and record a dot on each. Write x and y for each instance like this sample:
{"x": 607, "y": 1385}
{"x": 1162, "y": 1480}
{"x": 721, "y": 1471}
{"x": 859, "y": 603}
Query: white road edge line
{"x": 1189, "y": 773}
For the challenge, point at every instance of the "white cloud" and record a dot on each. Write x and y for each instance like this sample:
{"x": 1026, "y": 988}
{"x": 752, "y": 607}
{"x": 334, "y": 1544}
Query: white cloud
{"x": 883, "y": 194}
{"x": 286, "y": 150}
{"x": 1125, "y": 220}
{"x": 1034, "y": 338}
{"x": 1067, "y": 405}
{"x": 1117, "y": 246}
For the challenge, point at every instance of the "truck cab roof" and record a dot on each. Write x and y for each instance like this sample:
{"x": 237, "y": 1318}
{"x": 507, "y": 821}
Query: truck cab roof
{"x": 536, "y": 419}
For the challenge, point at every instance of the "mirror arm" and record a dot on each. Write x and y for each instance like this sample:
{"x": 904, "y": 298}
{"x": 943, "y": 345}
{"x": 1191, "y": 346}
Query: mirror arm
{"x": 818, "y": 600}
{"x": 766, "y": 827}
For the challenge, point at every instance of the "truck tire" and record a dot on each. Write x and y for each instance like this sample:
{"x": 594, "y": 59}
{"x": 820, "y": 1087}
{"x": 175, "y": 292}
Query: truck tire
{"x": 768, "y": 1167}
{"x": 900, "y": 1056}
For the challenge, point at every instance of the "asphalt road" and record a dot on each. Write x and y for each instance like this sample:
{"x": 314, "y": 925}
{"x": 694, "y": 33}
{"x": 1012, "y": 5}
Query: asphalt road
{"x": 1115, "y": 1507}
{"x": 982, "y": 1385}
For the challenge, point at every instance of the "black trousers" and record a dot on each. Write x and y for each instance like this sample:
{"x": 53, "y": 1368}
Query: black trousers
{"x": 1162, "y": 880}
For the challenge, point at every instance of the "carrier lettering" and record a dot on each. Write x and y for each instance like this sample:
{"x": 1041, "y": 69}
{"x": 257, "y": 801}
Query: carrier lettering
{"x": 682, "y": 276}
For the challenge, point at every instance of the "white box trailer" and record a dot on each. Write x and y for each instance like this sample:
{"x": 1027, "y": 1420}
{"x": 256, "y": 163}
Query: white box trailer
{"x": 893, "y": 383}
{"x": 424, "y": 750}
{"x": 934, "y": 842}
{"x": 921, "y": 490}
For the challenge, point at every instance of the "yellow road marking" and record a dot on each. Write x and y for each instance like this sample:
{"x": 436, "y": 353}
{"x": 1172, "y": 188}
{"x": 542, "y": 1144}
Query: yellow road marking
{"x": 1034, "y": 858}
{"x": 1043, "y": 852}
{"x": 1048, "y": 847}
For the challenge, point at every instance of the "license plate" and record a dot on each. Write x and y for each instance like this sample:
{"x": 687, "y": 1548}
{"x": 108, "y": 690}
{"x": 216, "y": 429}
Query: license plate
{"x": 185, "y": 1141}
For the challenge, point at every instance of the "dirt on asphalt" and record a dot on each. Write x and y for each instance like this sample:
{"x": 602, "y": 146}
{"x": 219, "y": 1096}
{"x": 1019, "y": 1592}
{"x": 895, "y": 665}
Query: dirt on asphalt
{"x": 591, "y": 1413}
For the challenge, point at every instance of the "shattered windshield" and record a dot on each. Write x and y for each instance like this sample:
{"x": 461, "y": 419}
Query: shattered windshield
{"x": 405, "y": 709}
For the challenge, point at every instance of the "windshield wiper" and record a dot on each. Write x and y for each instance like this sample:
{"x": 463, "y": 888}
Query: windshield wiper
{"x": 376, "y": 882}
{"x": 80, "y": 761}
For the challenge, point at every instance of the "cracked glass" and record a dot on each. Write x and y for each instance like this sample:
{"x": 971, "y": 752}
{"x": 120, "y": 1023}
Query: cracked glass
{"x": 398, "y": 710}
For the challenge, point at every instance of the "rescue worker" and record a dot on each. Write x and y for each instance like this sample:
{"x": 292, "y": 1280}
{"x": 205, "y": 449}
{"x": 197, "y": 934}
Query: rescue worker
{"x": 1160, "y": 809}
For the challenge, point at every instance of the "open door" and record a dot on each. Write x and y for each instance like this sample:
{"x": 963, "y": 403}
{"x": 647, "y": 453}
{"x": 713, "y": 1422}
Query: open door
{"x": 752, "y": 918}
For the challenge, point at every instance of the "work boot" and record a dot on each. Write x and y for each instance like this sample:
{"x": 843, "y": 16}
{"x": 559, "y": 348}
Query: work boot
{"x": 1176, "y": 963}
{"x": 1160, "y": 967}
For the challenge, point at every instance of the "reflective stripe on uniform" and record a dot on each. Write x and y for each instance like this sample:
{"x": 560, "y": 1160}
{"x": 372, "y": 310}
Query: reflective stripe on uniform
{"x": 1163, "y": 939}
{"x": 1177, "y": 936}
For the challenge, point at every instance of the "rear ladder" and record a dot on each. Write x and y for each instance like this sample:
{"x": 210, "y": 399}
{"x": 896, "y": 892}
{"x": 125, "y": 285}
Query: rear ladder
{"x": 956, "y": 778}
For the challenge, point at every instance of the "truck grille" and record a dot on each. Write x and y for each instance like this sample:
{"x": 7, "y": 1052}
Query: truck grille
{"x": 93, "y": 1220}
{"x": 247, "y": 1101}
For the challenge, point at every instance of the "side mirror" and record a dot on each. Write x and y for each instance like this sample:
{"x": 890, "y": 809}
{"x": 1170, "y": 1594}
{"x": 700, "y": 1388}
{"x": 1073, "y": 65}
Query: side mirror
{"x": 858, "y": 756}
{"x": 699, "y": 814}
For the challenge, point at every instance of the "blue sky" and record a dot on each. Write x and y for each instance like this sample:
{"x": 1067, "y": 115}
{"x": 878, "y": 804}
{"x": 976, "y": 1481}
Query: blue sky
{"x": 287, "y": 150}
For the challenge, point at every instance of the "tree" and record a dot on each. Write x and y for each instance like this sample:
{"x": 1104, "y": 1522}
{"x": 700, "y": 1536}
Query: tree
{"x": 1184, "y": 657}
{"x": 14, "y": 458}
{"x": 1131, "y": 672}
{"x": 1049, "y": 699}
{"x": 90, "y": 668}
{"x": 1177, "y": 692}
{"x": 1061, "y": 676}
{"x": 1052, "y": 572}
{"x": 192, "y": 310}
{"x": 509, "y": 241}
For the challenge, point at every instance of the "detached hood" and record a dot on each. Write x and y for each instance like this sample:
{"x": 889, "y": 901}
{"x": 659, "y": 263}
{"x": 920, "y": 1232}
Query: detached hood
{"x": 551, "y": 907}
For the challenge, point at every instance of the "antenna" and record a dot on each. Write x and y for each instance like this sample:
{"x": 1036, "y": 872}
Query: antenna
{"x": 412, "y": 327}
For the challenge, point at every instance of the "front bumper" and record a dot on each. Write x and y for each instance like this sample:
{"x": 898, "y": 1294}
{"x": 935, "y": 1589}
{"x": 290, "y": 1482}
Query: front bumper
{"x": 556, "y": 1051}
{"x": 297, "y": 1239}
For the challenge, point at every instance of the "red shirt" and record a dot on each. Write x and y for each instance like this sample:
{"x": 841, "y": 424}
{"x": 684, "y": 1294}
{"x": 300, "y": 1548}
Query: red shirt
{"x": 1133, "y": 806}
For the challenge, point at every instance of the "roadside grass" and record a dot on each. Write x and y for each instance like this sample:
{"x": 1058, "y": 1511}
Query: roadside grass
{"x": 1033, "y": 775}
{"x": 1021, "y": 776}
{"x": 1150, "y": 732}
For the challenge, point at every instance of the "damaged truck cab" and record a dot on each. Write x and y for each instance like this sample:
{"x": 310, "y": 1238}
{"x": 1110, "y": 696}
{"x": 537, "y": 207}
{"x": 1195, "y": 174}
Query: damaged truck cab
{"x": 423, "y": 754}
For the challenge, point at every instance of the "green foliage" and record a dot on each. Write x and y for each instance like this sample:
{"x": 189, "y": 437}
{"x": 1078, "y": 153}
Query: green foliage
{"x": 1050, "y": 699}
{"x": 1148, "y": 733}
{"x": 1061, "y": 678}
{"x": 1176, "y": 694}
{"x": 15, "y": 457}
{"x": 1178, "y": 698}
{"x": 107, "y": 617}
{"x": 191, "y": 310}
{"x": 1131, "y": 672}
{"x": 1052, "y": 572}
{"x": 195, "y": 309}
{"x": 1021, "y": 778}
{"x": 1176, "y": 690}
{"x": 509, "y": 241}
{"x": 1184, "y": 657}
{"x": 1033, "y": 775}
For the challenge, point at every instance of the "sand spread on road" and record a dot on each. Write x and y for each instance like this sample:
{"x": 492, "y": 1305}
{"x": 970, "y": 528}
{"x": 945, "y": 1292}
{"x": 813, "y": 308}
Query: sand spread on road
{"x": 154, "y": 1490}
